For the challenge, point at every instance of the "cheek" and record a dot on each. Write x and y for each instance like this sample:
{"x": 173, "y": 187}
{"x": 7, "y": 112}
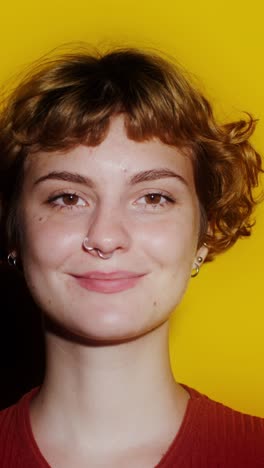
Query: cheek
{"x": 172, "y": 242}
{"x": 48, "y": 242}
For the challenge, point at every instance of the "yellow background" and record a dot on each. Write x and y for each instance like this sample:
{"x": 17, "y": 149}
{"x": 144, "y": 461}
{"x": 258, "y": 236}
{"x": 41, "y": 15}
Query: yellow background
{"x": 217, "y": 343}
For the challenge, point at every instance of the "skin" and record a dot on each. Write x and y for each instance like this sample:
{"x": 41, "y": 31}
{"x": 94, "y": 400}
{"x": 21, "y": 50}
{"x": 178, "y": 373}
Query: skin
{"x": 109, "y": 347}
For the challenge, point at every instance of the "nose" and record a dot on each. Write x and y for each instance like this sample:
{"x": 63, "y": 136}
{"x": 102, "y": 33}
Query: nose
{"x": 107, "y": 232}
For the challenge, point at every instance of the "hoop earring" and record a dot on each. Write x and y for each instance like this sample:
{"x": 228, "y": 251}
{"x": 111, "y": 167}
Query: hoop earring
{"x": 195, "y": 270}
{"x": 12, "y": 260}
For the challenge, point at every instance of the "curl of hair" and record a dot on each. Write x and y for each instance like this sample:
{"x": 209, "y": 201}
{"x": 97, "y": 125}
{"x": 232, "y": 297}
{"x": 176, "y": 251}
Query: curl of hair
{"x": 71, "y": 99}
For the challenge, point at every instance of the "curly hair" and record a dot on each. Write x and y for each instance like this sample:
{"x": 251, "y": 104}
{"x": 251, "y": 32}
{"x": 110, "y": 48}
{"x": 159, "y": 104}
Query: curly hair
{"x": 70, "y": 100}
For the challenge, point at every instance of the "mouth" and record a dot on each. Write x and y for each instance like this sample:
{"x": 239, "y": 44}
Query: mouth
{"x": 108, "y": 283}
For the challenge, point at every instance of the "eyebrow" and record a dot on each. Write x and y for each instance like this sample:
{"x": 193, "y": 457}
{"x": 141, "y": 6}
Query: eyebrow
{"x": 68, "y": 177}
{"x": 143, "y": 176}
{"x": 155, "y": 174}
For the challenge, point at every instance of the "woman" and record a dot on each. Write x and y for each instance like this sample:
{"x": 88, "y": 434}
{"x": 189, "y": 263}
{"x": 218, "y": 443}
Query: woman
{"x": 117, "y": 184}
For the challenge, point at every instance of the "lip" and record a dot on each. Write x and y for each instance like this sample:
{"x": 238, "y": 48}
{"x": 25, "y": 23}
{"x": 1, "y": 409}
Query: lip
{"x": 108, "y": 282}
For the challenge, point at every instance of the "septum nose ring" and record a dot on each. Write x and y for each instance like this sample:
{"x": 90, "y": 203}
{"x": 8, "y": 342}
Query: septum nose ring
{"x": 100, "y": 254}
{"x": 103, "y": 256}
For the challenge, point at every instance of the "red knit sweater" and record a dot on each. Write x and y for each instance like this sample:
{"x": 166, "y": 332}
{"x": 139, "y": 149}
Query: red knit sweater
{"x": 211, "y": 436}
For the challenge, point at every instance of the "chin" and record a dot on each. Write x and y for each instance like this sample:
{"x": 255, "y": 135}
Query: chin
{"x": 101, "y": 329}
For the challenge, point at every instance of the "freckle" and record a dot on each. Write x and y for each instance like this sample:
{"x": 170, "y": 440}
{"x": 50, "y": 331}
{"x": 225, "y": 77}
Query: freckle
{"x": 40, "y": 219}
{"x": 154, "y": 303}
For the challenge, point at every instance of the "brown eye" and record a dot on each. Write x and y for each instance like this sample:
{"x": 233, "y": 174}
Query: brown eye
{"x": 153, "y": 198}
{"x": 67, "y": 200}
{"x": 70, "y": 199}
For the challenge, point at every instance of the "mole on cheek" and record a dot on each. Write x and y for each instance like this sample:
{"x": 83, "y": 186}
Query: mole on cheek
{"x": 40, "y": 219}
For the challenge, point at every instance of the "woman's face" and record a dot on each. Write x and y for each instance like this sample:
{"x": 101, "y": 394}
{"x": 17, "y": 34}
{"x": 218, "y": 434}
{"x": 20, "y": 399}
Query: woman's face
{"x": 134, "y": 200}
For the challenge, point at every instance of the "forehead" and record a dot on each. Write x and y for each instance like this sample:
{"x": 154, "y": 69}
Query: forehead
{"x": 116, "y": 155}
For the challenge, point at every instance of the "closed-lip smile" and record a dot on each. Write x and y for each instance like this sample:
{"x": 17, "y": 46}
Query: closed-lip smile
{"x": 108, "y": 282}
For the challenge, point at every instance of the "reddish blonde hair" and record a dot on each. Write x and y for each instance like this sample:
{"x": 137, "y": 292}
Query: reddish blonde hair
{"x": 69, "y": 101}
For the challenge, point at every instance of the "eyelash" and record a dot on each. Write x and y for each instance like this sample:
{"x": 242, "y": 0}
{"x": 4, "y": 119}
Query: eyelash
{"x": 167, "y": 200}
{"x": 52, "y": 200}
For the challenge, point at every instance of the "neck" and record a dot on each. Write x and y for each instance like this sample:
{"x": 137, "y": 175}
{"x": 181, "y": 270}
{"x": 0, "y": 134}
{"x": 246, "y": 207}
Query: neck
{"x": 107, "y": 388}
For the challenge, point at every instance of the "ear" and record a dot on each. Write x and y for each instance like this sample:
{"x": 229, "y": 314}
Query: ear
{"x": 201, "y": 254}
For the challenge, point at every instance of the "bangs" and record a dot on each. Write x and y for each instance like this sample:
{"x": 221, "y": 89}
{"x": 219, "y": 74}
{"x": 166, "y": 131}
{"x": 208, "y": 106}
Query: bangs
{"x": 73, "y": 102}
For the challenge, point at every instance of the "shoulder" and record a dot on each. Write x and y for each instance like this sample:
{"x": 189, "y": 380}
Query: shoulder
{"x": 214, "y": 435}
{"x": 237, "y": 438}
{"x": 15, "y": 435}
{"x": 8, "y": 420}
{"x": 227, "y": 420}
{"x": 9, "y": 435}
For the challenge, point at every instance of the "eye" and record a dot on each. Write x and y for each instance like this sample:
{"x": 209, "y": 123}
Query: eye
{"x": 155, "y": 199}
{"x": 67, "y": 200}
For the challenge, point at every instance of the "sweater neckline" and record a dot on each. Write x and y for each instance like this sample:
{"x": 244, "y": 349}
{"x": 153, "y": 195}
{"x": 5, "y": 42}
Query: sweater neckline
{"x": 180, "y": 442}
